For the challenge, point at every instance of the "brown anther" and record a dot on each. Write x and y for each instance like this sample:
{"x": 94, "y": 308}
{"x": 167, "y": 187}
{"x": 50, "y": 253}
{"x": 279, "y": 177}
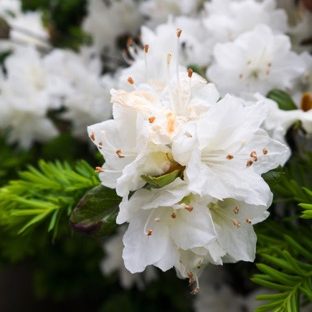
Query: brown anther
{"x": 149, "y": 232}
{"x": 151, "y": 119}
{"x": 179, "y": 32}
{"x": 92, "y": 136}
{"x": 99, "y": 169}
{"x": 129, "y": 42}
{"x": 119, "y": 153}
{"x": 265, "y": 151}
{"x": 146, "y": 48}
{"x": 236, "y": 223}
{"x": 253, "y": 155}
{"x": 189, "y": 208}
{"x": 248, "y": 221}
{"x": 169, "y": 58}
{"x": 173, "y": 215}
{"x": 130, "y": 80}
{"x": 249, "y": 163}
{"x": 236, "y": 209}
{"x": 229, "y": 156}
{"x": 190, "y": 72}
{"x": 100, "y": 144}
{"x": 306, "y": 101}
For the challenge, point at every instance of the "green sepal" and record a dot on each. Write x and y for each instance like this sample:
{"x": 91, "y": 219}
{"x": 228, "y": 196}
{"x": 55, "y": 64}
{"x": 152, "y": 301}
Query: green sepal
{"x": 283, "y": 99}
{"x": 96, "y": 212}
{"x": 161, "y": 181}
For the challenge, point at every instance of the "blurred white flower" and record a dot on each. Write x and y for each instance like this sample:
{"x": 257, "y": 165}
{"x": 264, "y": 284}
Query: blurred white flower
{"x": 113, "y": 262}
{"x": 27, "y": 92}
{"x": 108, "y": 21}
{"x": 226, "y": 19}
{"x": 157, "y": 11}
{"x": 86, "y": 92}
{"x": 256, "y": 61}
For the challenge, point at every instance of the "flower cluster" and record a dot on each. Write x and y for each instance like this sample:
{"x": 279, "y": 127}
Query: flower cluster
{"x": 188, "y": 166}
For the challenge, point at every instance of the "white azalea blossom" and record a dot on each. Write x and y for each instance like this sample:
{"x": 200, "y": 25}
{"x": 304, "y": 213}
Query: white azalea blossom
{"x": 113, "y": 262}
{"x": 257, "y": 61}
{"x": 163, "y": 51}
{"x": 86, "y": 92}
{"x": 157, "y": 11}
{"x": 107, "y": 22}
{"x": 227, "y": 19}
{"x": 27, "y": 93}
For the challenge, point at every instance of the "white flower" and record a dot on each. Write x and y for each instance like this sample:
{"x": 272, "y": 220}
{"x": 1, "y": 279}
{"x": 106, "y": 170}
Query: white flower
{"x": 27, "y": 92}
{"x": 145, "y": 121}
{"x": 227, "y": 19}
{"x": 165, "y": 50}
{"x": 157, "y": 11}
{"x": 86, "y": 93}
{"x": 113, "y": 262}
{"x": 227, "y": 151}
{"x": 107, "y": 22}
{"x": 256, "y": 61}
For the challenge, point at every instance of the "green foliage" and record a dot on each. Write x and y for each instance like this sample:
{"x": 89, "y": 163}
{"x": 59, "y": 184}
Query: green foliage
{"x": 286, "y": 268}
{"x": 307, "y": 207}
{"x": 96, "y": 212}
{"x": 283, "y": 99}
{"x": 44, "y": 195}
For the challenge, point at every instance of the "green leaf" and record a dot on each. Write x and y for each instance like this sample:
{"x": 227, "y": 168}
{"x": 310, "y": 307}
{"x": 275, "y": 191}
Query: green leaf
{"x": 96, "y": 212}
{"x": 163, "y": 180}
{"x": 283, "y": 99}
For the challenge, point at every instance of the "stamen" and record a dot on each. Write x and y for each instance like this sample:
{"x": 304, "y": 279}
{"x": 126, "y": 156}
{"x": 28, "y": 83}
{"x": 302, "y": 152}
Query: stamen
{"x": 130, "y": 80}
{"x": 189, "y": 208}
{"x": 149, "y": 232}
{"x": 236, "y": 209}
{"x": 190, "y": 72}
{"x": 248, "y": 221}
{"x": 236, "y": 223}
{"x": 265, "y": 151}
{"x": 146, "y": 48}
{"x": 179, "y": 32}
{"x": 99, "y": 169}
{"x": 253, "y": 155}
{"x": 120, "y": 154}
{"x": 151, "y": 119}
{"x": 306, "y": 101}
{"x": 249, "y": 163}
{"x": 92, "y": 136}
{"x": 173, "y": 215}
{"x": 229, "y": 156}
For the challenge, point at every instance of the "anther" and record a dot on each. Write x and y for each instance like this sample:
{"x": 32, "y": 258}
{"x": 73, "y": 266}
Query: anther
{"x": 151, "y": 119}
{"x": 189, "y": 208}
{"x": 236, "y": 209}
{"x": 190, "y": 72}
{"x": 265, "y": 151}
{"x": 229, "y": 157}
{"x": 236, "y": 223}
{"x": 249, "y": 163}
{"x": 149, "y": 232}
{"x": 146, "y": 48}
{"x": 173, "y": 215}
{"x": 99, "y": 169}
{"x": 130, "y": 80}
{"x": 253, "y": 155}
{"x": 129, "y": 42}
{"x": 179, "y": 32}
{"x": 92, "y": 136}
{"x": 169, "y": 58}
{"x": 119, "y": 153}
{"x": 306, "y": 101}
{"x": 248, "y": 221}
